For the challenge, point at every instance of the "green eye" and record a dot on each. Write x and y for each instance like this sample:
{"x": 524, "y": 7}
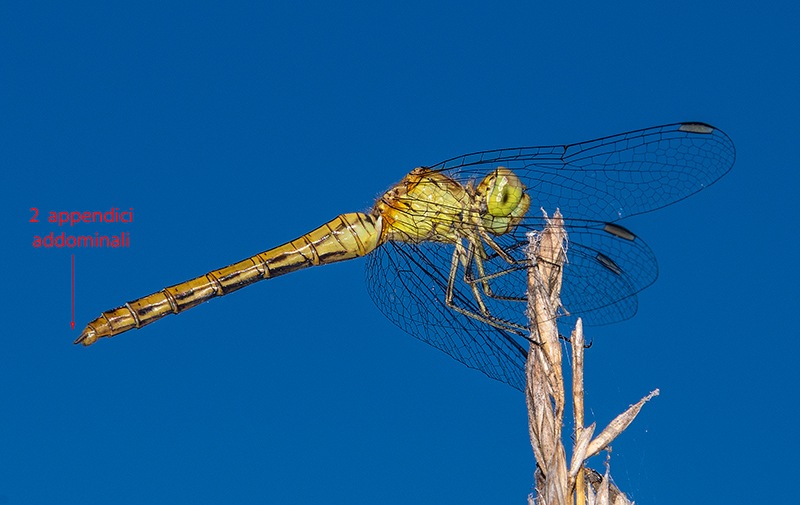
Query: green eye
{"x": 504, "y": 195}
{"x": 503, "y": 200}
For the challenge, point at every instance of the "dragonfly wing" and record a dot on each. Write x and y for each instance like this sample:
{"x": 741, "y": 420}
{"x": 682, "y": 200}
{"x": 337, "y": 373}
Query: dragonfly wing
{"x": 613, "y": 177}
{"x": 603, "y": 274}
{"x": 408, "y": 282}
{"x": 593, "y": 183}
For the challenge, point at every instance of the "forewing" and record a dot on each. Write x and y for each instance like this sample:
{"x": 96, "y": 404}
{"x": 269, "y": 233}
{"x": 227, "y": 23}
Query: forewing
{"x": 612, "y": 177}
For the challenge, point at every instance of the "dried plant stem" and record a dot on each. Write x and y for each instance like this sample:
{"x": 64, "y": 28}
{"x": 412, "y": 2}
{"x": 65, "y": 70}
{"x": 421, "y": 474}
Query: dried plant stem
{"x": 582, "y": 435}
{"x": 555, "y": 483}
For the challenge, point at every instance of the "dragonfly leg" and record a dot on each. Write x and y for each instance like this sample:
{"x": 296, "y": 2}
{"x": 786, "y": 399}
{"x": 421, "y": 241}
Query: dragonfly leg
{"x": 460, "y": 256}
{"x": 484, "y": 278}
{"x": 477, "y": 254}
{"x": 496, "y": 248}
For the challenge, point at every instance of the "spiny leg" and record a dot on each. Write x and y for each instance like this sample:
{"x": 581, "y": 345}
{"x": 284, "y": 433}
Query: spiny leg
{"x": 475, "y": 255}
{"x": 484, "y": 278}
{"x": 460, "y": 256}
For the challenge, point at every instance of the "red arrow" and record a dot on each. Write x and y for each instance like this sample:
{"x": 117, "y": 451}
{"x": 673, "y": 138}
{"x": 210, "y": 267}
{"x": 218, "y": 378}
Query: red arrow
{"x": 72, "y": 322}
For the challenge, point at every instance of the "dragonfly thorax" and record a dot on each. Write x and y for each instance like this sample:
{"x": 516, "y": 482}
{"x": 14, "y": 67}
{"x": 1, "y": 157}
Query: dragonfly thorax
{"x": 424, "y": 206}
{"x": 428, "y": 205}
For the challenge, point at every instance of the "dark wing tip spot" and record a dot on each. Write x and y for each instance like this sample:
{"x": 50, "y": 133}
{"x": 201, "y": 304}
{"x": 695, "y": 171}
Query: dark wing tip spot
{"x": 619, "y": 231}
{"x": 696, "y": 128}
{"x": 608, "y": 263}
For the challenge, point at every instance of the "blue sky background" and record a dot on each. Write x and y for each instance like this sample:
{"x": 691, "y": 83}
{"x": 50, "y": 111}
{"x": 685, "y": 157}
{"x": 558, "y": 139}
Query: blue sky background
{"x": 233, "y": 128}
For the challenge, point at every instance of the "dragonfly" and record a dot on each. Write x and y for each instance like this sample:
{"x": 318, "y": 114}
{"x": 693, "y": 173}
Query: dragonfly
{"x": 446, "y": 245}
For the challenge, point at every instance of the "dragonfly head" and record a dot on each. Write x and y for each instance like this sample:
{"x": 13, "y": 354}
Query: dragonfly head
{"x": 502, "y": 201}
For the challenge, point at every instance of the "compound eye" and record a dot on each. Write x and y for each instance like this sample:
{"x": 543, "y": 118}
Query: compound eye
{"x": 504, "y": 194}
